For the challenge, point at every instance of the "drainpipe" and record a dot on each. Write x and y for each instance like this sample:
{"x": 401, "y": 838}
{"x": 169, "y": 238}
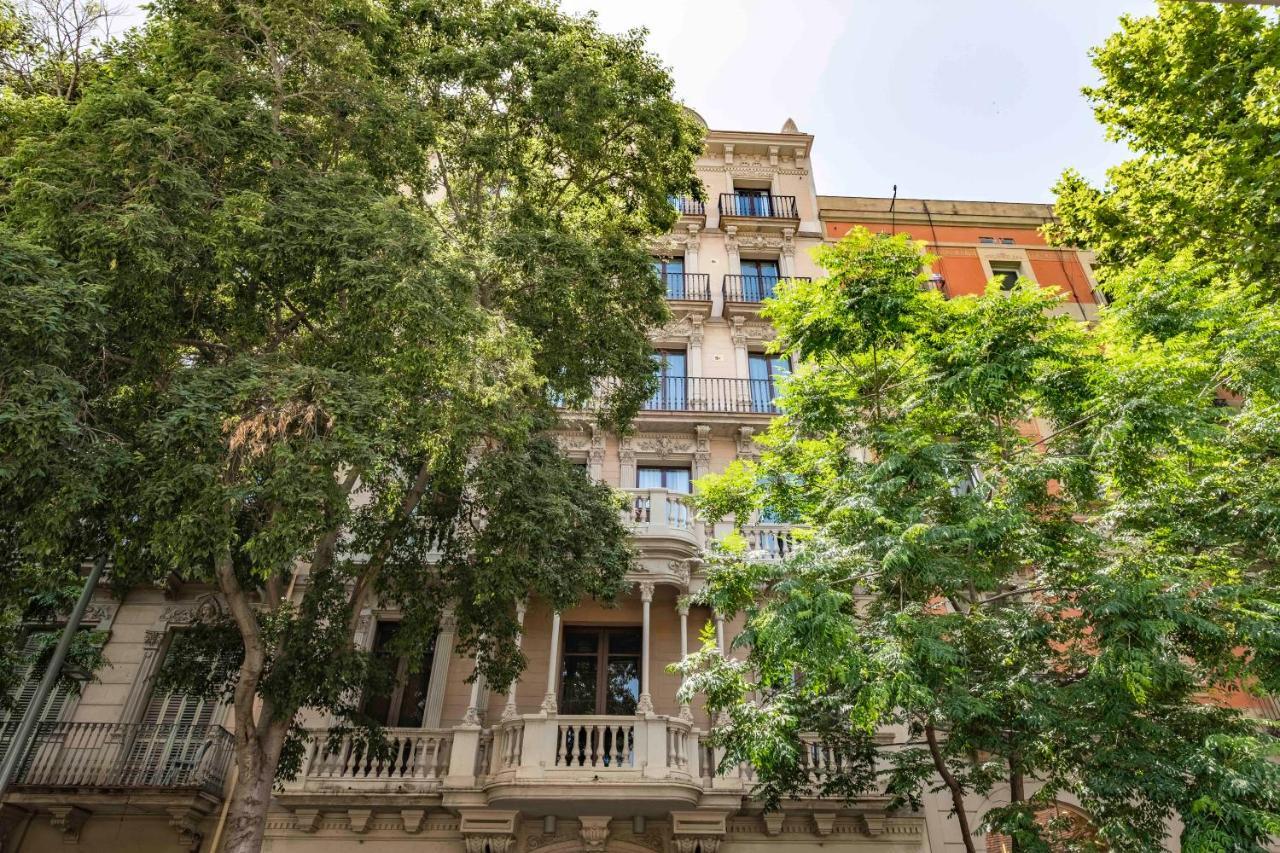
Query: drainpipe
{"x": 19, "y": 744}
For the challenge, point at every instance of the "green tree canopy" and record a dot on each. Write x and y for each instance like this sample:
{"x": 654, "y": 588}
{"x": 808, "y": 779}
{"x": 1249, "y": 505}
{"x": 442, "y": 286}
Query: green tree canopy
{"x": 1037, "y": 550}
{"x": 311, "y": 273}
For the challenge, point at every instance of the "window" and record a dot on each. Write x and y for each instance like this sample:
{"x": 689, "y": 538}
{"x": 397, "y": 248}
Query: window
{"x": 672, "y": 381}
{"x": 671, "y": 271}
{"x": 1006, "y": 241}
{"x": 758, "y": 279}
{"x": 987, "y": 240}
{"x": 1006, "y": 272}
{"x": 25, "y": 689}
{"x": 751, "y": 201}
{"x": 671, "y": 479}
{"x": 407, "y": 700}
{"x": 764, "y": 371}
{"x": 600, "y": 673}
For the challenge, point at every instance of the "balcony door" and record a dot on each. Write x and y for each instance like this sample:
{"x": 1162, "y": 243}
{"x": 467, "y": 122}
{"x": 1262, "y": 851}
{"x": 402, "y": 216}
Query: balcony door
{"x": 765, "y": 371}
{"x": 24, "y": 689}
{"x": 758, "y": 279}
{"x": 672, "y": 394}
{"x": 402, "y": 701}
{"x": 671, "y": 271}
{"x": 600, "y": 673}
{"x": 168, "y": 745}
{"x": 753, "y": 202}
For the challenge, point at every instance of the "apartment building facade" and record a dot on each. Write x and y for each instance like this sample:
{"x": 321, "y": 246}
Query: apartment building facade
{"x": 591, "y": 750}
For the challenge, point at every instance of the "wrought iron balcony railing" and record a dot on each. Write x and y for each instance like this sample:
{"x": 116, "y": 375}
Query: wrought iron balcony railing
{"x": 127, "y": 755}
{"x": 700, "y": 394}
{"x": 758, "y": 206}
{"x": 753, "y": 288}
{"x": 691, "y": 286}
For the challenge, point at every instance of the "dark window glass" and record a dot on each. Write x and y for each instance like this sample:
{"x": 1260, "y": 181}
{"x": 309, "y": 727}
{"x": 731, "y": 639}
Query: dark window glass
{"x": 759, "y": 278}
{"x": 405, "y": 702}
{"x": 601, "y": 671}
{"x": 671, "y": 367}
{"x": 671, "y": 271}
{"x": 765, "y": 370}
{"x": 1006, "y": 274}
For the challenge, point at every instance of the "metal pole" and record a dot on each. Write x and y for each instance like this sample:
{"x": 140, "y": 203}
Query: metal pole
{"x": 18, "y": 744}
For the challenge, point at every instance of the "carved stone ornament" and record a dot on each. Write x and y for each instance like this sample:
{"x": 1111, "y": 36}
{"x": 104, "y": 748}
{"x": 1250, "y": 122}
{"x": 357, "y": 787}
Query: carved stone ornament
{"x": 570, "y": 442}
{"x": 206, "y": 608}
{"x": 664, "y": 446}
{"x": 306, "y": 820}
{"x": 696, "y": 843}
{"x": 186, "y": 822}
{"x": 594, "y": 833}
{"x": 68, "y": 820}
{"x": 152, "y": 639}
{"x": 487, "y": 843}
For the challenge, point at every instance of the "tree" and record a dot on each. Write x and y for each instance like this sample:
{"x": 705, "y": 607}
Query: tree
{"x": 345, "y": 257}
{"x": 1043, "y": 610}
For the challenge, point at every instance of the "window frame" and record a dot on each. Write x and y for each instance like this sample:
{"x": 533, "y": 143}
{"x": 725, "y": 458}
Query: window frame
{"x": 665, "y": 469}
{"x": 602, "y": 655}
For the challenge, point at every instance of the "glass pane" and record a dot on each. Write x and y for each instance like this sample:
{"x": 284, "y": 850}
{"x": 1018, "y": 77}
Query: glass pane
{"x": 579, "y": 642}
{"x": 378, "y": 705}
{"x": 413, "y": 702}
{"x": 578, "y": 686}
{"x": 623, "y": 688}
{"x": 625, "y": 641}
{"x": 677, "y": 480}
{"x": 758, "y": 366}
{"x": 673, "y": 364}
{"x": 648, "y": 478}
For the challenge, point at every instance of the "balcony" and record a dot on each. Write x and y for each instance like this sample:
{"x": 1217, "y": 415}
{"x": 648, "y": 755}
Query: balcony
{"x": 414, "y": 760}
{"x": 131, "y": 756}
{"x": 635, "y": 761}
{"x": 752, "y": 289}
{"x": 663, "y": 521}
{"x": 758, "y": 206}
{"x": 688, "y": 286}
{"x": 687, "y": 206}
{"x": 772, "y": 541}
{"x": 713, "y": 394}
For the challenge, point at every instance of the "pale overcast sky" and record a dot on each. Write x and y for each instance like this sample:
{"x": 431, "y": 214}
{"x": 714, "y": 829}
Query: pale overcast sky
{"x": 960, "y": 99}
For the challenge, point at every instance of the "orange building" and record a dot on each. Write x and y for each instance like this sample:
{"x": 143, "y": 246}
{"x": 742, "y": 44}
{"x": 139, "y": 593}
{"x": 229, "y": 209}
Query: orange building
{"x": 974, "y": 241}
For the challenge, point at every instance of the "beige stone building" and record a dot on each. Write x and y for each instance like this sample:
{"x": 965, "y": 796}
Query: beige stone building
{"x": 590, "y": 751}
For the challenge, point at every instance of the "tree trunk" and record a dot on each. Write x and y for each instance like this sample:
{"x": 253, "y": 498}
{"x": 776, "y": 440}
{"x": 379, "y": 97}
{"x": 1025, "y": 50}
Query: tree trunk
{"x": 256, "y": 761}
{"x": 957, "y": 794}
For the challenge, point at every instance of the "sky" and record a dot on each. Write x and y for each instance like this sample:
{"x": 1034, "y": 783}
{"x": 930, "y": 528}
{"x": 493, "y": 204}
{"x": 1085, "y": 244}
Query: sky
{"x": 948, "y": 99}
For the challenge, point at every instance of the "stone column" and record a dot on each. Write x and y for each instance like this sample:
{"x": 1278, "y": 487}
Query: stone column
{"x": 731, "y": 246}
{"x": 440, "y": 659}
{"x": 682, "y": 607}
{"x": 472, "y": 716}
{"x": 645, "y": 705}
{"x": 691, "y": 248}
{"x": 510, "y": 712}
{"x": 549, "y": 700}
{"x": 626, "y": 465}
{"x": 720, "y": 633}
{"x": 787, "y": 255}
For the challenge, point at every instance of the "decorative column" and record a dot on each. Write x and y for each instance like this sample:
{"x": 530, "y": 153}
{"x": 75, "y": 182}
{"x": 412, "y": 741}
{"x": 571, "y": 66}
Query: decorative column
{"x": 720, "y": 633}
{"x": 472, "y": 717}
{"x": 549, "y": 700}
{"x": 787, "y": 253}
{"x": 691, "y": 247}
{"x": 626, "y": 464}
{"x": 682, "y": 607}
{"x": 731, "y": 246}
{"x": 595, "y": 455}
{"x": 440, "y": 659}
{"x": 645, "y": 705}
{"x": 510, "y": 712}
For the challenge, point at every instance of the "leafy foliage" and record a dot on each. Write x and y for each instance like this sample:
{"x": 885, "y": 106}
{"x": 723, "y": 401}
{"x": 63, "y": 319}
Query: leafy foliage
{"x": 310, "y": 274}
{"x": 1037, "y": 548}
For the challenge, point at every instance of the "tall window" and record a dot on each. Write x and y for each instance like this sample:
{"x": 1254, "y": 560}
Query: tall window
{"x": 758, "y": 279}
{"x": 750, "y": 201}
{"x": 1007, "y": 272}
{"x": 765, "y": 371}
{"x": 25, "y": 690}
{"x": 671, "y": 395}
{"x": 601, "y": 671}
{"x": 671, "y": 271}
{"x": 406, "y": 701}
{"x": 671, "y": 479}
